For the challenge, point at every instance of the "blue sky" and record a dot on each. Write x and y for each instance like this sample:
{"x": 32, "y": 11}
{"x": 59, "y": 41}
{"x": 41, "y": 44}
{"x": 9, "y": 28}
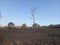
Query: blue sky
{"x": 19, "y": 11}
